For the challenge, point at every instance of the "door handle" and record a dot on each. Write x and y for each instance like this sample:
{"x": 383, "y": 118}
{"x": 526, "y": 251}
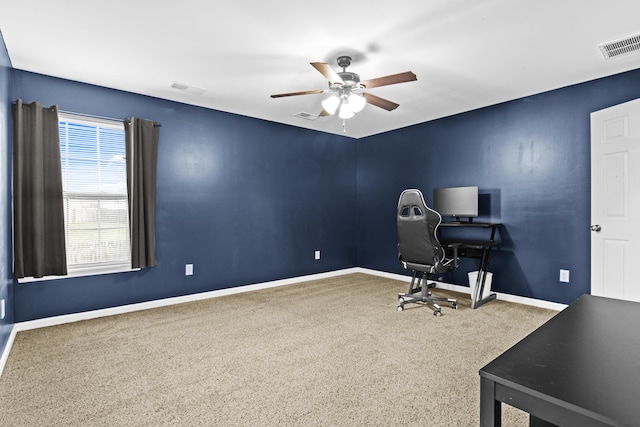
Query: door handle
{"x": 596, "y": 228}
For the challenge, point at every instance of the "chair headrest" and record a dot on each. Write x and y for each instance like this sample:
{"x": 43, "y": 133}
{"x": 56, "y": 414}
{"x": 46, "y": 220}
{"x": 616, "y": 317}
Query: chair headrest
{"x": 411, "y": 197}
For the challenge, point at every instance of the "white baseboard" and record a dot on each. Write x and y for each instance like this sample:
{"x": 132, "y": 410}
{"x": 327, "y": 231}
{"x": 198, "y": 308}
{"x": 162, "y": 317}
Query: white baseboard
{"x": 76, "y": 317}
{"x": 7, "y": 348}
{"x": 465, "y": 289}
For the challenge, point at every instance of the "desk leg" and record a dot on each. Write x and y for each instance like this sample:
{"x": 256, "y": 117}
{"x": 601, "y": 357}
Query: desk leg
{"x": 490, "y": 408}
{"x": 476, "y": 296}
{"x": 483, "y": 269}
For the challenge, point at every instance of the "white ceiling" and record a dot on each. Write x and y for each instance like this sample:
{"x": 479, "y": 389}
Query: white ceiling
{"x": 466, "y": 54}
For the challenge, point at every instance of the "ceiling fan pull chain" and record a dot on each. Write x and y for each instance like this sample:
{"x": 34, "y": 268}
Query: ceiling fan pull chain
{"x": 344, "y": 126}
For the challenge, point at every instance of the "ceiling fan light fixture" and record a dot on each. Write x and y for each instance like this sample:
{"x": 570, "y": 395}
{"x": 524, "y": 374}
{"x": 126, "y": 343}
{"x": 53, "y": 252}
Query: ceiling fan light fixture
{"x": 346, "y": 110}
{"x": 357, "y": 102}
{"x": 331, "y": 103}
{"x": 346, "y": 94}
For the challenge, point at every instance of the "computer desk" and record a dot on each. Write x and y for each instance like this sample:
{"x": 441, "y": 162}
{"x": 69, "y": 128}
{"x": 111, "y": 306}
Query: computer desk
{"x": 581, "y": 368}
{"x": 474, "y": 248}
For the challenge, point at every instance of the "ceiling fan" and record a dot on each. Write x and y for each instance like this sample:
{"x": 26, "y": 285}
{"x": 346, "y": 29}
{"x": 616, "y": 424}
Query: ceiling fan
{"x": 346, "y": 93}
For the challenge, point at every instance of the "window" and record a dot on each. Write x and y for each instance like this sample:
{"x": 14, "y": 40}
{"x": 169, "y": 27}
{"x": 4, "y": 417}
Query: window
{"x": 94, "y": 184}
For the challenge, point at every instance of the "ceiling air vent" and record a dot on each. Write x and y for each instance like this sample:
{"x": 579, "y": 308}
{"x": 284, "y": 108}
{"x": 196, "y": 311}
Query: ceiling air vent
{"x": 307, "y": 116}
{"x": 621, "y": 46}
{"x": 186, "y": 88}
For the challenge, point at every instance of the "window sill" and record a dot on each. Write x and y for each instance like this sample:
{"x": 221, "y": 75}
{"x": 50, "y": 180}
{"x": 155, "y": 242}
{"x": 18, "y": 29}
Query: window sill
{"x": 80, "y": 273}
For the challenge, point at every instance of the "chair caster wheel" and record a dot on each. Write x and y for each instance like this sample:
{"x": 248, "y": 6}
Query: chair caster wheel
{"x": 454, "y": 305}
{"x": 400, "y": 300}
{"x": 437, "y": 313}
{"x": 400, "y": 308}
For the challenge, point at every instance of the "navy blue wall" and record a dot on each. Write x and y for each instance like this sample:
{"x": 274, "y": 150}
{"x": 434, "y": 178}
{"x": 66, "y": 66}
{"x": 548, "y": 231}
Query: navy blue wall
{"x": 531, "y": 160}
{"x": 6, "y": 254}
{"x": 242, "y": 199}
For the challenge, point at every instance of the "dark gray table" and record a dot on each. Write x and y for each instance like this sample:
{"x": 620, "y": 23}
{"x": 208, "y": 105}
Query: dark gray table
{"x": 581, "y": 368}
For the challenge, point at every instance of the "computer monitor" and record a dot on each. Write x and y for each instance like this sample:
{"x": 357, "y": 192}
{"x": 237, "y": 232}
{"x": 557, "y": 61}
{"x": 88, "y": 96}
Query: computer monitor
{"x": 457, "y": 202}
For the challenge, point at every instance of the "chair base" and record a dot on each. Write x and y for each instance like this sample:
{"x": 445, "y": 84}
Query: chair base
{"x": 419, "y": 293}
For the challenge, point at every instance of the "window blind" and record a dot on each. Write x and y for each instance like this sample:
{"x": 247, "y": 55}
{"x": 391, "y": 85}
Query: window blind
{"x": 95, "y": 193}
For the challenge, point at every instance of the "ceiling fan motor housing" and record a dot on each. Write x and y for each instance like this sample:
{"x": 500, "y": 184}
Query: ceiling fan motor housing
{"x": 349, "y": 79}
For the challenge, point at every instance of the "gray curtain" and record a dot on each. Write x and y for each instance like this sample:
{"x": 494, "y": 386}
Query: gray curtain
{"x": 38, "y": 208}
{"x": 142, "y": 163}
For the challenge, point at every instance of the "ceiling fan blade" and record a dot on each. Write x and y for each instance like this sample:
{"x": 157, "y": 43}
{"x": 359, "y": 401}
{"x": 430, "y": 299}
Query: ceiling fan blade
{"x": 324, "y": 113}
{"x": 326, "y": 70}
{"x": 407, "y": 76}
{"x": 306, "y": 92}
{"x": 380, "y": 102}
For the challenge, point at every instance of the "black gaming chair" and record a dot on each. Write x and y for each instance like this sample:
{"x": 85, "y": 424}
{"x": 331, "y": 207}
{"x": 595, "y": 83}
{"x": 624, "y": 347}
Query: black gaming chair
{"x": 419, "y": 250}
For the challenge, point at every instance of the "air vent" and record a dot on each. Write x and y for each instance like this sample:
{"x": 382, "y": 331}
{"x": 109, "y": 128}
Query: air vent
{"x": 621, "y": 46}
{"x": 307, "y": 116}
{"x": 186, "y": 88}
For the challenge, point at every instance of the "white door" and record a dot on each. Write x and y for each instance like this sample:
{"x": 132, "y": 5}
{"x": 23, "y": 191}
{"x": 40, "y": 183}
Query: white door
{"x": 615, "y": 201}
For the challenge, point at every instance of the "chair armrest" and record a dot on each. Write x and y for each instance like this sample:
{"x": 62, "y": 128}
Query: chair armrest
{"x": 455, "y": 247}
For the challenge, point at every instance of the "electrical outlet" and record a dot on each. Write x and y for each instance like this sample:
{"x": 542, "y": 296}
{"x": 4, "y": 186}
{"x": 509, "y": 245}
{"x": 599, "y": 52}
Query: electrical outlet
{"x": 188, "y": 270}
{"x": 564, "y": 276}
{"x": 2, "y": 309}
{"x": 317, "y": 255}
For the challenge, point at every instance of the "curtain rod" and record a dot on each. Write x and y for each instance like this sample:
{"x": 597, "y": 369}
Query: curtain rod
{"x": 157, "y": 124}
{"x": 102, "y": 117}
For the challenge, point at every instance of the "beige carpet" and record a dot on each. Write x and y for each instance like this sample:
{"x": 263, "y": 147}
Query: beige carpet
{"x": 332, "y": 352}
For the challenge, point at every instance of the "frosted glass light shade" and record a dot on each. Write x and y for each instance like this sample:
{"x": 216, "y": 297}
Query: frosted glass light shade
{"x": 357, "y": 102}
{"x": 346, "y": 111}
{"x": 330, "y": 104}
